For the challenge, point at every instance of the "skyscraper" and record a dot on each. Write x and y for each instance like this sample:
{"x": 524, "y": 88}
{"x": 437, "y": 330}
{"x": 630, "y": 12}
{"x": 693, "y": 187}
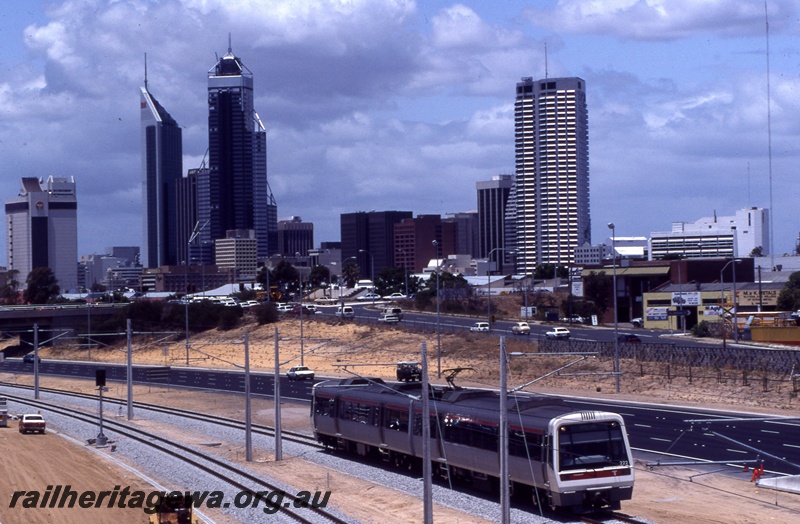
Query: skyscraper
{"x": 552, "y": 170}
{"x": 162, "y": 167}
{"x": 239, "y": 196}
{"x": 369, "y": 239}
{"x": 42, "y": 230}
{"x": 492, "y": 208}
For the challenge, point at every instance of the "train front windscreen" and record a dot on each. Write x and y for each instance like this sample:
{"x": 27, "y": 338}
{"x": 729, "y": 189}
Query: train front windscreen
{"x": 591, "y": 446}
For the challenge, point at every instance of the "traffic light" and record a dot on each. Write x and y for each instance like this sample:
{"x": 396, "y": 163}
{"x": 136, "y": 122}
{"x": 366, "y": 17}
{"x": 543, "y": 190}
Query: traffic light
{"x": 100, "y": 377}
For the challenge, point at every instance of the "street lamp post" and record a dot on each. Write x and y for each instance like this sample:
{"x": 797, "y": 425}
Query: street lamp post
{"x": 405, "y": 266}
{"x": 733, "y": 261}
{"x": 372, "y": 272}
{"x": 614, "y": 286}
{"x": 341, "y": 283}
{"x": 438, "y": 316}
{"x": 489, "y": 283}
{"x": 300, "y": 274}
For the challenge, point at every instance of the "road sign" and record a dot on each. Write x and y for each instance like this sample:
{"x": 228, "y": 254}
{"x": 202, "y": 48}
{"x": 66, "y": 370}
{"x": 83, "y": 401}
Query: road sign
{"x": 679, "y": 312}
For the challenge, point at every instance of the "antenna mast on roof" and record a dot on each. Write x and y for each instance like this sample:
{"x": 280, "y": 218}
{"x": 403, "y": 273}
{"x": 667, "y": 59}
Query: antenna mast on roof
{"x": 545, "y": 61}
{"x": 769, "y": 148}
{"x": 230, "y": 49}
{"x": 145, "y": 71}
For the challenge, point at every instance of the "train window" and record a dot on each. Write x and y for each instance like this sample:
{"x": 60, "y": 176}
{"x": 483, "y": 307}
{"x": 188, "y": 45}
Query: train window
{"x": 396, "y": 419}
{"x": 524, "y": 444}
{"x": 324, "y": 407}
{"x": 470, "y": 433}
{"x": 345, "y": 410}
{"x": 592, "y": 445}
{"x": 361, "y": 413}
{"x": 418, "y": 425}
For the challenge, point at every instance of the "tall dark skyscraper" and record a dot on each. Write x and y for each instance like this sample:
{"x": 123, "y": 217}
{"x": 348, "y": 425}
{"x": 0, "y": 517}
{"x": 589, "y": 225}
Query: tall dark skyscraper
{"x": 369, "y": 237}
{"x": 492, "y": 209}
{"x": 552, "y": 170}
{"x": 162, "y": 165}
{"x": 239, "y": 196}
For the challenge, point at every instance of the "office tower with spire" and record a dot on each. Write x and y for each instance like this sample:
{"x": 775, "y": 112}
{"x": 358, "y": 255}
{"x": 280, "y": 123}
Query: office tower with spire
{"x": 239, "y": 196}
{"x": 552, "y": 171}
{"x": 162, "y": 166}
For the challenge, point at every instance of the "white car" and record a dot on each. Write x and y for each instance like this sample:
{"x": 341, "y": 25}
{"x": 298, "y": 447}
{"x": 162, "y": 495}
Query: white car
{"x": 285, "y": 308}
{"x": 558, "y": 332}
{"x": 300, "y": 373}
{"x": 396, "y": 296}
{"x": 521, "y": 328}
{"x": 370, "y": 296}
{"x": 389, "y": 318}
{"x": 480, "y": 327}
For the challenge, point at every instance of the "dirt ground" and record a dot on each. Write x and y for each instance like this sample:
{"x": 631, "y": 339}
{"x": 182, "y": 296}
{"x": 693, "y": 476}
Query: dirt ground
{"x": 663, "y": 495}
{"x": 34, "y": 462}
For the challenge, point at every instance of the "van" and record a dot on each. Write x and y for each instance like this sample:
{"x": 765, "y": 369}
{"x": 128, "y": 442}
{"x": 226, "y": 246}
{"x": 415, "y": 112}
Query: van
{"x": 364, "y": 284}
{"x": 396, "y": 311}
{"x": 345, "y": 312}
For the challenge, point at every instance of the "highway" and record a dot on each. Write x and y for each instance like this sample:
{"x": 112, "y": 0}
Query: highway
{"x": 661, "y": 429}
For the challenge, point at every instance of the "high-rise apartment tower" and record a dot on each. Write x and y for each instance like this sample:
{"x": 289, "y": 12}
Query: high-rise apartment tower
{"x": 552, "y": 170}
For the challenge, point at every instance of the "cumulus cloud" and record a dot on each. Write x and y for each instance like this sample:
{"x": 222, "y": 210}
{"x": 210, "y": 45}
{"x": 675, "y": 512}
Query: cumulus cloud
{"x": 375, "y": 105}
{"x": 665, "y": 19}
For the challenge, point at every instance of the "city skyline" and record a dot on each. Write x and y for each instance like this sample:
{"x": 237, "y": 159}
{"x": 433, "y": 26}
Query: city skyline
{"x": 403, "y": 105}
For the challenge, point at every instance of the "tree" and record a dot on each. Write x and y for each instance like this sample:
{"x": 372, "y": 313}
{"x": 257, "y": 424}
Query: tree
{"x": 789, "y": 297}
{"x": 756, "y": 252}
{"x": 546, "y": 271}
{"x": 319, "y": 275}
{"x": 285, "y": 275}
{"x": 9, "y": 292}
{"x": 350, "y": 273}
{"x": 597, "y": 287}
{"x": 42, "y": 286}
{"x": 391, "y": 280}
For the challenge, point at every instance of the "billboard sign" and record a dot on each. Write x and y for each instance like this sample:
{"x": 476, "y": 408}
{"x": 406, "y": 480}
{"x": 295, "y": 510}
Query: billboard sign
{"x": 656, "y": 313}
{"x": 686, "y": 298}
{"x": 577, "y": 288}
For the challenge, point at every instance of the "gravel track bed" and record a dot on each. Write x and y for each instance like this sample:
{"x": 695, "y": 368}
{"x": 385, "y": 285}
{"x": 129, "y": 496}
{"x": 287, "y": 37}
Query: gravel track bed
{"x": 174, "y": 473}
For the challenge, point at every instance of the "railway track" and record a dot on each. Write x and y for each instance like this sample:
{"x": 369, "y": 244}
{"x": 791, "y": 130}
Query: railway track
{"x": 610, "y": 517}
{"x": 291, "y": 436}
{"x": 206, "y": 463}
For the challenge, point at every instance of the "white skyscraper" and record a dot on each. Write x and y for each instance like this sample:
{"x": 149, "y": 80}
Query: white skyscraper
{"x": 42, "y": 230}
{"x": 552, "y": 171}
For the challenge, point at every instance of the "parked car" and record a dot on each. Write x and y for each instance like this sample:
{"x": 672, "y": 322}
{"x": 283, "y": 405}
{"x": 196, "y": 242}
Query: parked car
{"x": 480, "y": 327}
{"x": 370, "y": 296}
{"x": 521, "y": 328}
{"x": 396, "y": 296}
{"x": 558, "y": 332}
{"x": 627, "y": 337}
{"x": 32, "y": 423}
{"x": 345, "y": 312}
{"x": 285, "y": 308}
{"x": 310, "y": 309}
{"x": 409, "y": 372}
{"x": 637, "y": 322}
{"x": 300, "y": 373}
{"x": 574, "y": 319}
{"x": 28, "y": 359}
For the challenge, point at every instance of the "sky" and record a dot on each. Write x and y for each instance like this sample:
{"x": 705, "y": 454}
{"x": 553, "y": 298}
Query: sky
{"x": 404, "y": 105}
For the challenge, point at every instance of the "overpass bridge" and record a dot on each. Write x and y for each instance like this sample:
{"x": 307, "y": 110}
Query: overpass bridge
{"x": 70, "y": 318}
